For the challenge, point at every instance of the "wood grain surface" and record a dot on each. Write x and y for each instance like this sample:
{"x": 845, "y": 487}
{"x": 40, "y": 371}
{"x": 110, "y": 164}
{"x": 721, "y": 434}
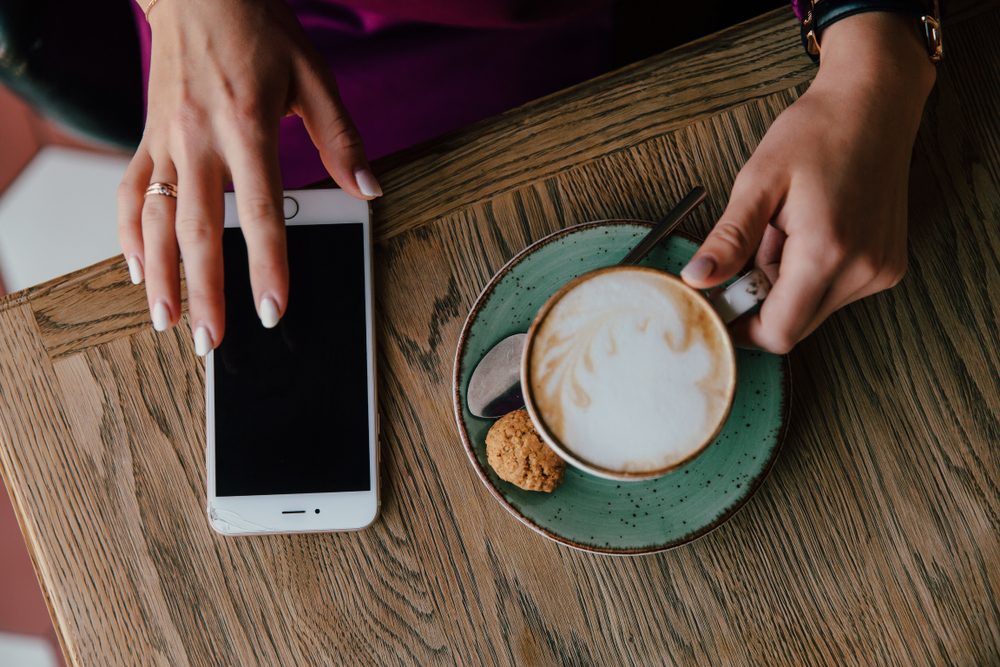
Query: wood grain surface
{"x": 875, "y": 541}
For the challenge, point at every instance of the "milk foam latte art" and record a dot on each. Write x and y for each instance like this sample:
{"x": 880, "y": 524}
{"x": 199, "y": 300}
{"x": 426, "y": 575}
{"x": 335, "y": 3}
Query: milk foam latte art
{"x": 629, "y": 372}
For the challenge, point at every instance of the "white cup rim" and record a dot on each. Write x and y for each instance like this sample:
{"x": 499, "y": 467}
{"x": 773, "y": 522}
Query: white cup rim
{"x": 562, "y": 450}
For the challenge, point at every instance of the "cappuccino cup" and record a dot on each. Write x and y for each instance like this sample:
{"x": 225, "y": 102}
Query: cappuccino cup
{"x": 628, "y": 372}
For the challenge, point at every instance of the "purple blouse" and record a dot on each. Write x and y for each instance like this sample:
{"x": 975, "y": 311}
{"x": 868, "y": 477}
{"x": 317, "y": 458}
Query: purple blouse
{"x": 409, "y": 71}
{"x": 797, "y": 8}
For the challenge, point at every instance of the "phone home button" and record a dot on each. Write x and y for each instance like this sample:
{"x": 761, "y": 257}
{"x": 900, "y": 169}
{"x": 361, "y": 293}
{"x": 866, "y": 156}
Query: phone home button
{"x": 291, "y": 207}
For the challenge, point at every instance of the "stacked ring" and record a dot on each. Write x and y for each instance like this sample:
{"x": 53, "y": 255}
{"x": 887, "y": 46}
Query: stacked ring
{"x": 165, "y": 189}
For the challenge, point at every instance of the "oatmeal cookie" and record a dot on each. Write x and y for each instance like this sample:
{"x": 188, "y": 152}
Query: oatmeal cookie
{"x": 519, "y": 455}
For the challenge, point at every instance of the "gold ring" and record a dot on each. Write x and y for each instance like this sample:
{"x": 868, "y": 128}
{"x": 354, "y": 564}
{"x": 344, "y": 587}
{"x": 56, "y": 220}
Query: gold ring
{"x": 165, "y": 189}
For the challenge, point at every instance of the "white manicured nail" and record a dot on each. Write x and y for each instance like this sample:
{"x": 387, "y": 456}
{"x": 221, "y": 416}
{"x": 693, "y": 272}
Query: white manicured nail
{"x": 202, "y": 341}
{"x": 367, "y": 184}
{"x": 268, "y": 312}
{"x": 134, "y": 270}
{"x": 699, "y": 269}
{"x": 161, "y": 316}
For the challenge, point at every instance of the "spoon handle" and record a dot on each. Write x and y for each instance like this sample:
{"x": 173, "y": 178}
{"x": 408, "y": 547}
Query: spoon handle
{"x": 667, "y": 225}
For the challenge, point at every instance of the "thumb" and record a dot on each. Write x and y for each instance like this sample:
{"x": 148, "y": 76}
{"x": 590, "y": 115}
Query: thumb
{"x": 332, "y": 131}
{"x": 735, "y": 237}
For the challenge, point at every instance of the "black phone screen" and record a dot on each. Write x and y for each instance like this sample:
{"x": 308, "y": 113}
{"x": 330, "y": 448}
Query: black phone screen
{"x": 291, "y": 403}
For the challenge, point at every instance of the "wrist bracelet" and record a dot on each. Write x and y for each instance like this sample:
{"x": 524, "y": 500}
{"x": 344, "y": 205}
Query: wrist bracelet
{"x": 823, "y": 13}
{"x": 147, "y": 8}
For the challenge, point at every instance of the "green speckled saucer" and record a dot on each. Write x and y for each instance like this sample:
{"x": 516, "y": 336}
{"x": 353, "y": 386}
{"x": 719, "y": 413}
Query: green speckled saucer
{"x": 605, "y": 516}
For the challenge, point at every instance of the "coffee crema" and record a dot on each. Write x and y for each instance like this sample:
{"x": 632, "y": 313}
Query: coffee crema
{"x": 629, "y": 371}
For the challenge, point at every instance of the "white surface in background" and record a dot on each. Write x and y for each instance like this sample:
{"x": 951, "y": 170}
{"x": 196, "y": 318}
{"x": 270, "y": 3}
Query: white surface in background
{"x": 24, "y": 651}
{"x": 58, "y": 216}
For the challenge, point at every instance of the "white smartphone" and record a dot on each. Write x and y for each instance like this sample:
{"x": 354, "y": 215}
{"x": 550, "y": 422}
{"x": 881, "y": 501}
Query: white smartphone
{"x": 292, "y": 431}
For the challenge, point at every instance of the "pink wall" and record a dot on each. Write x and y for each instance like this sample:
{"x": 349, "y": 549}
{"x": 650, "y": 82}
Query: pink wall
{"x": 22, "y": 607}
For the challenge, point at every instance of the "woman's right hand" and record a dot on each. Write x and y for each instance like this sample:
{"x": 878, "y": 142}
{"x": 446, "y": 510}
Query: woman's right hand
{"x": 222, "y": 75}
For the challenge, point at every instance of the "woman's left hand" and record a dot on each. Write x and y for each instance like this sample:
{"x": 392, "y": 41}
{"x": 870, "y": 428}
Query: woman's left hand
{"x": 823, "y": 199}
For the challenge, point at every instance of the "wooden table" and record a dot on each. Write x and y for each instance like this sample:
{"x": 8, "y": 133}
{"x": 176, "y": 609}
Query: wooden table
{"x": 874, "y": 541}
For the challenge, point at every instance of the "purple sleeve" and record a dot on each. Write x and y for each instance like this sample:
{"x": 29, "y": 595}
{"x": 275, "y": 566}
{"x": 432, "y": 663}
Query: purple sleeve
{"x": 405, "y": 82}
{"x": 797, "y": 8}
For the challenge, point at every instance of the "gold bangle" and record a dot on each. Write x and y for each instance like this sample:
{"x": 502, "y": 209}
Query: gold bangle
{"x": 148, "y": 8}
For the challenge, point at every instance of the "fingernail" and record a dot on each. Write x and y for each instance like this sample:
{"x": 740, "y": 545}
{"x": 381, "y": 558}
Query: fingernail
{"x": 698, "y": 269}
{"x": 134, "y": 270}
{"x": 161, "y": 316}
{"x": 367, "y": 184}
{"x": 202, "y": 341}
{"x": 268, "y": 311}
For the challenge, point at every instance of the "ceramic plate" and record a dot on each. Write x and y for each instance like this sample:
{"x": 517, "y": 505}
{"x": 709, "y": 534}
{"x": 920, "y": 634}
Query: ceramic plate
{"x": 595, "y": 514}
